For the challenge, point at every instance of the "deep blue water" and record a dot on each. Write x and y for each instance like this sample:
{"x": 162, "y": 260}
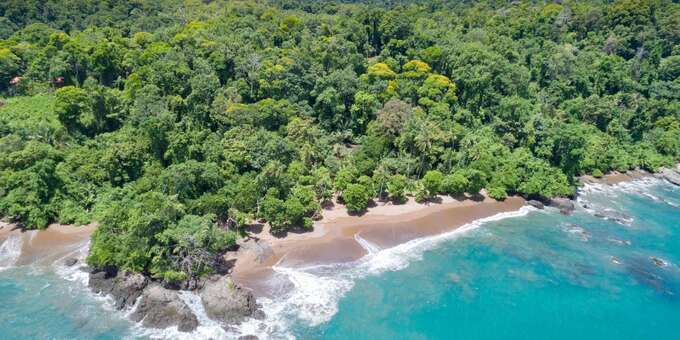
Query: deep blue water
{"x": 538, "y": 276}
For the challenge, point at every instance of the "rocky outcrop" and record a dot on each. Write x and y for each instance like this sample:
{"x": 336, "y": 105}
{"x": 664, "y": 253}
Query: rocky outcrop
{"x": 658, "y": 262}
{"x": 226, "y": 302}
{"x": 162, "y": 308}
{"x": 535, "y": 204}
{"x": 614, "y": 215}
{"x": 124, "y": 287}
{"x": 70, "y": 262}
{"x": 671, "y": 175}
{"x": 565, "y": 205}
{"x": 248, "y": 337}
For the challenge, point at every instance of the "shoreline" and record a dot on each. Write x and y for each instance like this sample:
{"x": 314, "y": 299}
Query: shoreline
{"x": 46, "y": 246}
{"x": 341, "y": 238}
{"x": 337, "y": 238}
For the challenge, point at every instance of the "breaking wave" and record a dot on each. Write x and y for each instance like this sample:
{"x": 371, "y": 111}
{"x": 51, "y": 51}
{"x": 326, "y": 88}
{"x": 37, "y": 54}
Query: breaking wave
{"x": 10, "y": 250}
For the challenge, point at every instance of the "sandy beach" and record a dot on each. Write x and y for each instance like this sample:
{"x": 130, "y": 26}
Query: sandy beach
{"x": 335, "y": 239}
{"x": 49, "y": 245}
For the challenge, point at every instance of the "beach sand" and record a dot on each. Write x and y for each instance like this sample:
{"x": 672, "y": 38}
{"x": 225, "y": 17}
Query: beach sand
{"x": 49, "y": 245}
{"x": 334, "y": 239}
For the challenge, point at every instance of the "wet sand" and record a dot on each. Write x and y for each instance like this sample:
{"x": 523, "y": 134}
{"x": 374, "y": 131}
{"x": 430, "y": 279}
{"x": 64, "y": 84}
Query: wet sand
{"x": 49, "y": 245}
{"x": 334, "y": 239}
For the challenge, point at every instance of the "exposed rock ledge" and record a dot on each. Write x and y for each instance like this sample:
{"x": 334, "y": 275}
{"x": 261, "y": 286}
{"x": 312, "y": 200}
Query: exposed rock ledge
{"x": 160, "y": 307}
{"x": 565, "y": 205}
{"x": 125, "y": 288}
{"x": 671, "y": 175}
{"x": 226, "y": 302}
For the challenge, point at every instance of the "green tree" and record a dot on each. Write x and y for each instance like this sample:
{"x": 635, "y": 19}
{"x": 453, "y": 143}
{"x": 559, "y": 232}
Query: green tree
{"x": 432, "y": 181}
{"x": 396, "y": 187}
{"x": 72, "y": 106}
{"x": 455, "y": 184}
{"x": 356, "y": 197}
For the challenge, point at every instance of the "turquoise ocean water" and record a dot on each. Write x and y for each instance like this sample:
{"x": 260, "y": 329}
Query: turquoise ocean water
{"x": 526, "y": 275}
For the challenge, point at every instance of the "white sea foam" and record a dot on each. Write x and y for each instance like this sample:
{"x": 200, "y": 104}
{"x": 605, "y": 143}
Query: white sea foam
{"x": 639, "y": 185}
{"x": 590, "y": 193}
{"x": 74, "y": 273}
{"x": 367, "y": 245}
{"x": 318, "y": 289}
{"x": 10, "y": 250}
{"x": 208, "y": 328}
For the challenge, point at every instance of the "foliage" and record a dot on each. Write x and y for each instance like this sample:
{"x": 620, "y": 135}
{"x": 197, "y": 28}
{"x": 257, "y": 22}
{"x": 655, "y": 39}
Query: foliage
{"x": 356, "y": 197}
{"x": 167, "y": 121}
{"x": 455, "y": 184}
{"x": 396, "y": 186}
{"x": 432, "y": 182}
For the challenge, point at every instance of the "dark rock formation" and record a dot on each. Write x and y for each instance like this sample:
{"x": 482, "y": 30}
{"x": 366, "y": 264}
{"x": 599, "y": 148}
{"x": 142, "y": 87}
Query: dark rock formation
{"x": 658, "y": 262}
{"x": 225, "y": 302}
{"x": 124, "y": 287}
{"x": 101, "y": 282}
{"x": 615, "y": 216}
{"x": 70, "y": 262}
{"x": 671, "y": 176}
{"x": 248, "y": 337}
{"x": 565, "y": 205}
{"x": 535, "y": 204}
{"x": 162, "y": 308}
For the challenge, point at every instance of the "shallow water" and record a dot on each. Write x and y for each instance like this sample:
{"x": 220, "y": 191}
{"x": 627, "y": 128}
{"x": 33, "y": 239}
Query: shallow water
{"x": 39, "y": 303}
{"x": 529, "y": 275}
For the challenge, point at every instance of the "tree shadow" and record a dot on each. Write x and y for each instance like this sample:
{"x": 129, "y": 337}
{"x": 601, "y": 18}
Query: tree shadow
{"x": 254, "y": 228}
{"x": 459, "y": 197}
{"x": 357, "y": 213}
{"x": 279, "y": 233}
{"x": 435, "y": 200}
{"x": 477, "y": 197}
{"x": 291, "y": 230}
{"x": 328, "y": 205}
{"x": 20, "y": 227}
{"x": 384, "y": 198}
{"x": 396, "y": 201}
{"x": 371, "y": 204}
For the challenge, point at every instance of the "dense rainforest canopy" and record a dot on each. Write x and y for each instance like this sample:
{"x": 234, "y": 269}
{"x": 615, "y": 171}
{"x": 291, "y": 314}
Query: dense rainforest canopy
{"x": 173, "y": 123}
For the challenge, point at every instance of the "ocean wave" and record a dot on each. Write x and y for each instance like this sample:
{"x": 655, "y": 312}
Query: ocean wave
{"x": 319, "y": 288}
{"x": 10, "y": 250}
{"x": 591, "y": 193}
{"x": 367, "y": 245}
{"x": 638, "y": 185}
{"x": 74, "y": 273}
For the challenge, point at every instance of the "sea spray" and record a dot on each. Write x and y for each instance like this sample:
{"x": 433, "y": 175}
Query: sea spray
{"x": 10, "y": 250}
{"x": 74, "y": 273}
{"x": 367, "y": 245}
